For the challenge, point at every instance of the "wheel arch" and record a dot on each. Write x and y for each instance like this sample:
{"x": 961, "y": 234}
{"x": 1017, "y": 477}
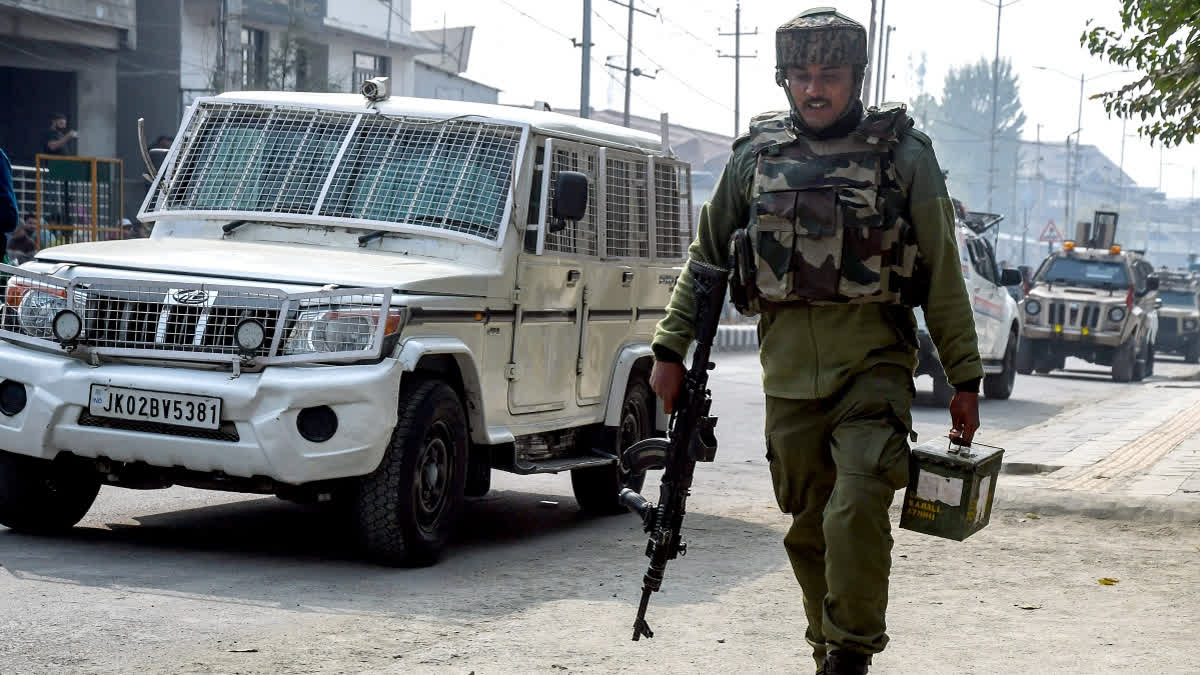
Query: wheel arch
{"x": 632, "y": 360}
{"x": 451, "y": 360}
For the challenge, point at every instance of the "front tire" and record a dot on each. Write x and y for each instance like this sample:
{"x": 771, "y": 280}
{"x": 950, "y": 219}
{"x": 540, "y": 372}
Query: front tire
{"x": 406, "y": 510}
{"x": 1192, "y": 355}
{"x": 1024, "y": 363}
{"x": 1000, "y": 385}
{"x": 596, "y": 488}
{"x": 1124, "y": 362}
{"x": 40, "y": 496}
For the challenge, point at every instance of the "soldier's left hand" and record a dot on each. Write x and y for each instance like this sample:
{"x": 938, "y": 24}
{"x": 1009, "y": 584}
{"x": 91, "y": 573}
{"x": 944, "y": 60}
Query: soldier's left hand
{"x": 964, "y": 416}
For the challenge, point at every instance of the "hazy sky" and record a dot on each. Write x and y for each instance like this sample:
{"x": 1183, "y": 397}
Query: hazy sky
{"x": 532, "y": 61}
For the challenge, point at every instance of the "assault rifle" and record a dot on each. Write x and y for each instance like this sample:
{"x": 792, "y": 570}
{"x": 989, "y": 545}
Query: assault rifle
{"x": 690, "y": 439}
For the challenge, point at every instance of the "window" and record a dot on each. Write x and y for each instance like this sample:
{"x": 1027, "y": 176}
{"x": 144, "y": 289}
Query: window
{"x": 1100, "y": 274}
{"x": 981, "y": 257}
{"x": 367, "y": 66}
{"x": 254, "y": 58}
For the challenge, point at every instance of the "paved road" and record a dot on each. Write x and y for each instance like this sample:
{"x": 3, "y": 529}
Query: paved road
{"x": 179, "y": 580}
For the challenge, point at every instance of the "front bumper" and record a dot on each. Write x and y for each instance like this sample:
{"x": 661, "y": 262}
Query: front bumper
{"x": 1076, "y": 335}
{"x": 263, "y": 408}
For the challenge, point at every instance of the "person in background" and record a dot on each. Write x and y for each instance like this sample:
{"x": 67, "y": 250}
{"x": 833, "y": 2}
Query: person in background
{"x": 9, "y": 215}
{"x": 58, "y": 136}
{"x": 22, "y": 245}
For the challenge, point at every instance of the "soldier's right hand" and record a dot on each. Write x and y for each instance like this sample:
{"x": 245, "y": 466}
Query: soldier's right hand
{"x": 666, "y": 379}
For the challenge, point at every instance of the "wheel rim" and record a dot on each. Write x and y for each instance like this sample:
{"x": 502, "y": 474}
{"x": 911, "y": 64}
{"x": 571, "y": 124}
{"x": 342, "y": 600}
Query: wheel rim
{"x": 433, "y": 472}
{"x": 630, "y": 432}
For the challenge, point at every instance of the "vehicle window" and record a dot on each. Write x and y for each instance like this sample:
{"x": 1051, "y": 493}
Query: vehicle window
{"x": 1178, "y": 298}
{"x": 447, "y": 174}
{"x": 535, "y": 203}
{"x": 672, "y": 209}
{"x": 1140, "y": 272}
{"x": 627, "y": 206}
{"x": 1098, "y": 273}
{"x": 581, "y": 236}
{"x": 981, "y": 259}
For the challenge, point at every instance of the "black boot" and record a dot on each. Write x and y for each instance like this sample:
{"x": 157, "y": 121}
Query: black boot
{"x": 843, "y": 662}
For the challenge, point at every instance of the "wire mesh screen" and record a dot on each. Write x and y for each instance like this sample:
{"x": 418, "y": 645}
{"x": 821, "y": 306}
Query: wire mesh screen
{"x": 579, "y": 236}
{"x": 132, "y": 315}
{"x": 335, "y": 323}
{"x": 449, "y": 174}
{"x": 626, "y": 205}
{"x": 453, "y": 175}
{"x": 672, "y": 211}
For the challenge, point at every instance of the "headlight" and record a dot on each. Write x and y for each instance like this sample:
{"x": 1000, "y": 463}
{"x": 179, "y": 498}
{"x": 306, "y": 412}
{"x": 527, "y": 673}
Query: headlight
{"x": 36, "y": 312}
{"x": 1033, "y": 307}
{"x": 1189, "y": 324}
{"x": 1116, "y": 314}
{"x": 339, "y": 330}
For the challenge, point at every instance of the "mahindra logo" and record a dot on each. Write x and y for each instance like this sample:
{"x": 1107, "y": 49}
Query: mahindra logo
{"x": 191, "y": 297}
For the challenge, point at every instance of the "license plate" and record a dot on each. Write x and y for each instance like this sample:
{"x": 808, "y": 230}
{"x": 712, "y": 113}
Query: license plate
{"x": 200, "y": 412}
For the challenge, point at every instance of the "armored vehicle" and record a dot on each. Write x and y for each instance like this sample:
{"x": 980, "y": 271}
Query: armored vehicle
{"x": 1179, "y": 315}
{"x": 1097, "y": 304}
{"x": 997, "y": 317}
{"x": 375, "y": 301}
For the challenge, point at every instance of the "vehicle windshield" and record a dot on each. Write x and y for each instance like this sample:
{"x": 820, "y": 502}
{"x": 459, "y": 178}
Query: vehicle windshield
{"x": 447, "y": 174}
{"x": 1076, "y": 272}
{"x": 1178, "y": 298}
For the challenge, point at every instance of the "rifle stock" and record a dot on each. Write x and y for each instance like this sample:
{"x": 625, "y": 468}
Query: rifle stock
{"x": 690, "y": 439}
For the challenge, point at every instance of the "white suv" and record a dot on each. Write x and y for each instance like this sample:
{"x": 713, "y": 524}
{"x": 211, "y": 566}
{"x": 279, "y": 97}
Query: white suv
{"x": 997, "y": 317}
{"x": 377, "y": 302}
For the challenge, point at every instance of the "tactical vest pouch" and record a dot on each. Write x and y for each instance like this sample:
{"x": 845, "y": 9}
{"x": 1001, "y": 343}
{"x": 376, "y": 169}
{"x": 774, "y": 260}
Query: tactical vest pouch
{"x": 743, "y": 292}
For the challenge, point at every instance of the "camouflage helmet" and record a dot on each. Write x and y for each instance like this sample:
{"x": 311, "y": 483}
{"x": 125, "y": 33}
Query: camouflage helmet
{"x": 820, "y": 36}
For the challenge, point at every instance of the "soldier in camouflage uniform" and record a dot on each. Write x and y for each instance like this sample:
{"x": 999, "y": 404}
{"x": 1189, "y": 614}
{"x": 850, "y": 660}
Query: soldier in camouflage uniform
{"x": 835, "y": 224}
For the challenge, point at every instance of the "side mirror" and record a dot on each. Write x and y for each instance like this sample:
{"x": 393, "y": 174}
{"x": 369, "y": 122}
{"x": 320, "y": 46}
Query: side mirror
{"x": 1152, "y": 283}
{"x": 1011, "y": 277}
{"x": 570, "y": 199}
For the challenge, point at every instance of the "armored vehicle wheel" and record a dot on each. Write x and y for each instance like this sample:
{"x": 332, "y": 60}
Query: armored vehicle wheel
{"x": 1192, "y": 355}
{"x": 596, "y": 488}
{"x": 40, "y": 496}
{"x": 1141, "y": 365}
{"x": 1000, "y": 385}
{"x": 943, "y": 393}
{"x": 405, "y": 510}
{"x": 1024, "y": 363}
{"x": 1124, "y": 362}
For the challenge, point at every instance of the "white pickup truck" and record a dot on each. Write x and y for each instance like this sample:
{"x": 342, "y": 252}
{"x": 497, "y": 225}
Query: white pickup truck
{"x": 997, "y": 317}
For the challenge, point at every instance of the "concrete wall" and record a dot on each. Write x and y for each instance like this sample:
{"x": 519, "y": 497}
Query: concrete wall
{"x": 148, "y": 86}
{"x": 434, "y": 83}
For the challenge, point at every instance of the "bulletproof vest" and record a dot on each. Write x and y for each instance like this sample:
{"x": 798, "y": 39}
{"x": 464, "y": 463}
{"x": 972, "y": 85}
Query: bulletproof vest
{"x": 826, "y": 222}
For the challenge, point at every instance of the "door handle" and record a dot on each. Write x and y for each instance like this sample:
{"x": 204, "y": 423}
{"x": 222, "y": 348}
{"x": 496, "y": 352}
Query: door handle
{"x": 626, "y": 278}
{"x": 573, "y": 276}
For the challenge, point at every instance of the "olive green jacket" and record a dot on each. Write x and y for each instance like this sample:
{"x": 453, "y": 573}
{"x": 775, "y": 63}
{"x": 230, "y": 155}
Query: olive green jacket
{"x": 811, "y": 351}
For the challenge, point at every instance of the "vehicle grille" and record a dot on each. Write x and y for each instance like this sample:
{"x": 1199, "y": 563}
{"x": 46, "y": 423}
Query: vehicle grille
{"x": 227, "y": 432}
{"x": 1168, "y": 325}
{"x": 153, "y": 320}
{"x": 1075, "y": 314}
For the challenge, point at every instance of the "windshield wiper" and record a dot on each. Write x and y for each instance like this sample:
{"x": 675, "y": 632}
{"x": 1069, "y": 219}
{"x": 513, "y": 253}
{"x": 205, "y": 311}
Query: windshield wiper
{"x": 372, "y": 236}
{"x": 230, "y": 227}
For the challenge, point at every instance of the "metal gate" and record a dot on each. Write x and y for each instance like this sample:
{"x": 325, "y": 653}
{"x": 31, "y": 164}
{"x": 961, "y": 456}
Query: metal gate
{"x": 78, "y": 199}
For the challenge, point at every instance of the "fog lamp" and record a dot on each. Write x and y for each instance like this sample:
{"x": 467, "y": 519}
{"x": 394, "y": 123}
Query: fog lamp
{"x": 67, "y": 326}
{"x": 250, "y": 335}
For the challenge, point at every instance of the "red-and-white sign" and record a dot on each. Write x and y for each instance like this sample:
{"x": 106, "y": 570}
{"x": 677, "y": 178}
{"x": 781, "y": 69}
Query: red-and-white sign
{"x": 1050, "y": 233}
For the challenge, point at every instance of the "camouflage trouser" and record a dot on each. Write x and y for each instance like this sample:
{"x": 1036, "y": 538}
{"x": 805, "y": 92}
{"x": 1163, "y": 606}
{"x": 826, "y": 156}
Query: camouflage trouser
{"x": 836, "y": 464}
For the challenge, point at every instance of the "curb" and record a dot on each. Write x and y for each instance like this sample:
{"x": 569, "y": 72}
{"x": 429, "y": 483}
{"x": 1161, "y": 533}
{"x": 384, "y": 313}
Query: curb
{"x": 1045, "y": 501}
{"x": 736, "y": 338}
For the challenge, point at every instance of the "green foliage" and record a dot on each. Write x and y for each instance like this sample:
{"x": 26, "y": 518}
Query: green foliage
{"x": 1161, "y": 40}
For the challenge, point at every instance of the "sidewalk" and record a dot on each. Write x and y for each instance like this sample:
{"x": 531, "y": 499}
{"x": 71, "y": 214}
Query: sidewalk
{"x": 1127, "y": 449}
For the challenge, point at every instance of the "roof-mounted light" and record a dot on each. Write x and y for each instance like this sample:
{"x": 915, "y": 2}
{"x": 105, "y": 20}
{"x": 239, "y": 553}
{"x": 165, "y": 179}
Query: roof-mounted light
{"x": 1068, "y": 245}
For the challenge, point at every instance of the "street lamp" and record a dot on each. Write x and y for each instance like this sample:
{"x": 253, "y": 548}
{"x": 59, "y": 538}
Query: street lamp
{"x": 1079, "y": 127}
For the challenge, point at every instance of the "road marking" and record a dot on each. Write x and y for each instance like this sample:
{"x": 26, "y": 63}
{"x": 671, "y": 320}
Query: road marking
{"x": 1136, "y": 456}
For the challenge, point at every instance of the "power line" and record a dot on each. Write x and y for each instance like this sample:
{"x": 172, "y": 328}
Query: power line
{"x": 689, "y": 33}
{"x": 687, "y": 85}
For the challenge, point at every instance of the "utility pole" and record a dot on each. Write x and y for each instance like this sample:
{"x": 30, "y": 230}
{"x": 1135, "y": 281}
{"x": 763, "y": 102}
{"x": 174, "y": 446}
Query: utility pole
{"x": 1067, "y": 193}
{"x": 887, "y": 52}
{"x": 995, "y": 95}
{"x": 737, "y": 65}
{"x": 629, "y": 53}
{"x": 1078, "y": 143}
{"x": 585, "y": 75}
{"x": 866, "y": 93}
{"x": 883, "y": 30}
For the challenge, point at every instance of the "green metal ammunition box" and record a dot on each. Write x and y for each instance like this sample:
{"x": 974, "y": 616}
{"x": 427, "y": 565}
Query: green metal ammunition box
{"x": 950, "y": 489}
